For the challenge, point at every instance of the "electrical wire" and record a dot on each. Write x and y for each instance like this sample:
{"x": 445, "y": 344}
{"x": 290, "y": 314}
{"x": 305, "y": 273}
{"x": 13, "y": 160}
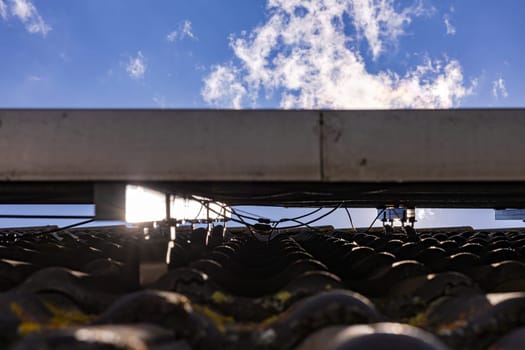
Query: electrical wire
{"x": 350, "y": 218}
{"x": 257, "y": 218}
{"x": 65, "y": 227}
{"x": 314, "y": 220}
{"x": 251, "y": 227}
{"x": 302, "y": 216}
{"x": 270, "y": 234}
{"x": 305, "y": 224}
{"x": 245, "y": 217}
{"x": 297, "y": 221}
{"x": 7, "y": 216}
{"x": 287, "y": 227}
{"x": 248, "y": 226}
{"x": 373, "y": 222}
{"x": 240, "y": 221}
{"x": 199, "y": 213}
{"x": 247, "y": 213}
{"x": 232, "y": 211}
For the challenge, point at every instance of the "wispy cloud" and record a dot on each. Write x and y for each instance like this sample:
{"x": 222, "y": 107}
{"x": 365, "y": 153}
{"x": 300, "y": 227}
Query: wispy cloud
{"x": 499, "y": 89}
{"x": 184, "y": 31}
{"x": 27, "y": 13}
{"x": 34, "y": 78}
{"x": 64, "y": 57}
{"x": 160, "y": 101}
{"x": 451, "y": 30}
{"x": 3, "y": 10}
{"x": 172, "y": 36}
{"x": 379, "y": 21}
{"x": 304, "y": 52}
{"x": 136, "y": 66}
{"x": 224, "y": 87}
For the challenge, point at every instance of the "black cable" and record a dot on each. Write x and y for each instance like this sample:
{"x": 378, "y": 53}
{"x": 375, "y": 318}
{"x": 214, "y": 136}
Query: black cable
{"x": 45, "y": 217}
{"x": 373, "y": 222}
{"x": 231, "y": 211}
{"x": 314, "y": 220}
{"x": 296, "y": 219}
{"x": 271, "y": 232}
{"x": 241, "y": 221}
{"x": 258, "y": 218}
{"x": 305, "y": 224}
{"x": 199, "y": 213}
{"x": 350, "y": 218}
{"x": 302, "y": 224}
{"x": 254, "y": 218}
{"x": 250, "y": 226}
{"x": 302, "y": 216}
{"x": 65, "y": 227}
{"x": 248, "y": 214}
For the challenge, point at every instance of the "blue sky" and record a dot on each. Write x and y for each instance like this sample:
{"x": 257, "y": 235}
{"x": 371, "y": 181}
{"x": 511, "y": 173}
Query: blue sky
{"x": 261, "y": 54}
{"x": 76, "y": 53}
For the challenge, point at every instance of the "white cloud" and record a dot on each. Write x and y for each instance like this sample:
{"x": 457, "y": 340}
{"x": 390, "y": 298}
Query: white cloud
{"x": 3, "y": 10}
{"x": 223, "y": 87}
{"x": 499, "y": 89}
{"x": 451, "y": 30}
{"x": 136, "y": 66}
{"x": 27, "y": 13}
{"x": 379, "y": 22}
{"x": 184, "y": 31}
{"x": 304, "y": 53}
{"x": 171, "y": 37}
{"x": 160, "y": 101}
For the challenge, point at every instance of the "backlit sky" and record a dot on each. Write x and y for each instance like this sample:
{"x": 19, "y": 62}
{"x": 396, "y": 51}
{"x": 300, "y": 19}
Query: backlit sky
{"x": 264, "y": 54}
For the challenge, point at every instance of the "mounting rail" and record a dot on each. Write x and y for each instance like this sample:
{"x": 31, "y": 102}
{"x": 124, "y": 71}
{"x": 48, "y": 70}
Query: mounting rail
{"x": 417, "y": 158}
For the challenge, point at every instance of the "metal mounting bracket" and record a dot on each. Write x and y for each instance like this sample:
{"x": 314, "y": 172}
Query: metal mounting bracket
{"x": 397, "y": 214}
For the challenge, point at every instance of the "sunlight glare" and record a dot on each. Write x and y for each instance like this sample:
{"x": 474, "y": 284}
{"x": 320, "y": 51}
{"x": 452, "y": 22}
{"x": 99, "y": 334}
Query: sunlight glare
{"x": 144, "y": 205}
